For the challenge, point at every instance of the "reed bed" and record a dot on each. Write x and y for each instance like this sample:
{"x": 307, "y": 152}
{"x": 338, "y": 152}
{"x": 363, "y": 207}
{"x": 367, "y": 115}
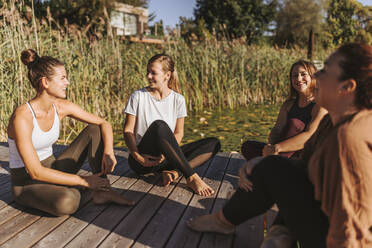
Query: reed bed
{"x": 213, "y": 74}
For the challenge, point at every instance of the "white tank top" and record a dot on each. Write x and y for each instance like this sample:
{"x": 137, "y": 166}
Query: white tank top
{"x": 42, "y": 141}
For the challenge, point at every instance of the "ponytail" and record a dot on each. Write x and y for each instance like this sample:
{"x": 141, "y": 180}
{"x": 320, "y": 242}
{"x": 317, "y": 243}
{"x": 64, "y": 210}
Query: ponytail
{"x": 167, "y": 65}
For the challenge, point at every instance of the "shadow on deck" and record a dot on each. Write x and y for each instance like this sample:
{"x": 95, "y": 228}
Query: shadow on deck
{"x": 157, "y": 220}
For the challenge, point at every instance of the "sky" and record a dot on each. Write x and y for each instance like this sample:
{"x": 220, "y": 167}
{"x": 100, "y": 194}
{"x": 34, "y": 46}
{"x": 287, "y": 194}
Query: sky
{"x": 170, "y": 10}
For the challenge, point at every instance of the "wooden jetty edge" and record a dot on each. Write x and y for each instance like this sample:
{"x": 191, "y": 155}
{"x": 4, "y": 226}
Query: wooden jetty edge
{"x": 158, "y": 218}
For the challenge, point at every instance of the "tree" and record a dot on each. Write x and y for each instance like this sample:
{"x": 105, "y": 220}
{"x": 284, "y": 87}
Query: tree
{"x": 343, "y": 23}
{"x": 157, "y": 29}
{"x": 364, "y": 33}
{"x": 295, "y": 20}
{"x": 236, "y": 18}
{"x": 192, "y": 30}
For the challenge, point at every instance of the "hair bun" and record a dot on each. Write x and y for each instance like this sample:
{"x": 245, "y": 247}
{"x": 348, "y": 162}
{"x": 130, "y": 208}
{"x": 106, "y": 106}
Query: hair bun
{"x": 28, "y": 56}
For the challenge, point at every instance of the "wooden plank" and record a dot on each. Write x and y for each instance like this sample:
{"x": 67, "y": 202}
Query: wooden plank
{"x": 182, "y": 235}
{"x": 64, "y": 233}
{"x": 15, "y": 226}
{"x": 30, "y": 235}
{"x": 5, "y": 187}
{"x": 227, "y": 189}
{"x": 157, "y": 232}
{"x": 137, "y": 219}
{"x": 5, "y": 199}
{"x": 250, "y": 233}
{"x": 9, "y": 212}
{"x": 4, "y": 152}
{"x": 154, "y": 227}
{"x": 98, "y": 230}
{"x": 42, "y": 226}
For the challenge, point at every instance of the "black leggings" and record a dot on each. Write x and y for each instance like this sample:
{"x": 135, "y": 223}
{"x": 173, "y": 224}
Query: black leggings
{"x": 285, "y": 182}
{"x": 159, "y": 139}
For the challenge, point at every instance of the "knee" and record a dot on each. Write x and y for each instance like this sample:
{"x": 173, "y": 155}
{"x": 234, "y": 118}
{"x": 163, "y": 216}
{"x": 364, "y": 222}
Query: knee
{"x": 67, "y": 203}
{"x": 160, "y": 128}
{"x": 244, "y": 147}
{"x": 215, "y": 143}
{"x": 93, "y": 130}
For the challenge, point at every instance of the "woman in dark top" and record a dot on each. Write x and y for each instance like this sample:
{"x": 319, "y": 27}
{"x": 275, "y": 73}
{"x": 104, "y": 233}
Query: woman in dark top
{"x": 325, "y": 197}
{"x": 298, "y": 118}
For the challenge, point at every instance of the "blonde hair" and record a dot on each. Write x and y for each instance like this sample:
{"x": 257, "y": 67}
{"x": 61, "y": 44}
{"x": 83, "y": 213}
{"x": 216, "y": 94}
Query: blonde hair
{"x": 167, "y": 64}
{"x": 311, "y": 69}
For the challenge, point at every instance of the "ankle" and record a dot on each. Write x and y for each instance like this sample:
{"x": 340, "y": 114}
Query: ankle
{"x": 193, "y": 177}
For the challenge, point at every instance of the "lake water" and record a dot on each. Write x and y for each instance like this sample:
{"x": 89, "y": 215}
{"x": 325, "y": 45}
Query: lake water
{"x": 232, "y": 127}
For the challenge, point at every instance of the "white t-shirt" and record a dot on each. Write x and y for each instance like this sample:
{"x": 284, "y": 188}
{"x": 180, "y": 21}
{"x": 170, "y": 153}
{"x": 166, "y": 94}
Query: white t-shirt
{"x": 147, "y": 109}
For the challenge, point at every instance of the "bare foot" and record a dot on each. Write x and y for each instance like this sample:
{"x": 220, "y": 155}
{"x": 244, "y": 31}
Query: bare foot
{"x": 199, "y": 186}
{"x": 169, "y": 176}
{"x": 102, "y": 197}
{"x": 210, "y": 223}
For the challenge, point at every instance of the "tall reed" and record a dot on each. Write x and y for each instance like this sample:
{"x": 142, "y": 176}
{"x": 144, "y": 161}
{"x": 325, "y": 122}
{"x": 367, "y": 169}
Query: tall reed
{"x": 102, "y": 73}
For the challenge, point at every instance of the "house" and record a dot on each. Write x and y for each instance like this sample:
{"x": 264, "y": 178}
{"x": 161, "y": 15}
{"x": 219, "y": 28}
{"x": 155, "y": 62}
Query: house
{"x": 129, "y": 20}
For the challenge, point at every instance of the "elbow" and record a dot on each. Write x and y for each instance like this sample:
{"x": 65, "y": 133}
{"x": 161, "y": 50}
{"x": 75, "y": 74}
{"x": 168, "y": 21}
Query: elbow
{"x": 106, "y": 123}
{"x": 35, "y": 175}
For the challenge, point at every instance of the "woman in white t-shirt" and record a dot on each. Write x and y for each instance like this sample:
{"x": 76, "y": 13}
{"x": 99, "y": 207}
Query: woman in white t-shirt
{"x": 154, "y": 127}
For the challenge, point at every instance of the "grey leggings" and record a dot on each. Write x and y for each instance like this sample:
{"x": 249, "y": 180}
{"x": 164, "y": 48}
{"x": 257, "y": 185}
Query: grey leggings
{"x": 58, "y": 199}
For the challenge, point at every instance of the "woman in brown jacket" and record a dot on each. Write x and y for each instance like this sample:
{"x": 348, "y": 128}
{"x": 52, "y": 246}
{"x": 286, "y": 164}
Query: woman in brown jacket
{"x": 325, "y": 198}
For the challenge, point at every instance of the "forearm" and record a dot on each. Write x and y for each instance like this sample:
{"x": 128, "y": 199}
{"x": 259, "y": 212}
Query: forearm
{"x": 178, "y": 137}
{"x": 294, "y": 143}
{"x": 107, "y": 137}
{"x": 58, "y": 177}
{"x": 130, "y": 141}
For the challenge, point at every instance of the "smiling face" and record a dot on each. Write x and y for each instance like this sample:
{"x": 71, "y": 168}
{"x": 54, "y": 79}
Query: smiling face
{"x": 57, "y": 83}
{"x": 158, "y": 79}
{"x": 300, "y": 79}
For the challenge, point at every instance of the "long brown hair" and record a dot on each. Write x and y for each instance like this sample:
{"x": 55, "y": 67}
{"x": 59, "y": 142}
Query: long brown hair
{"x": 311, "y": 69}
{"x": 357, "y": 64}
{"x": 39, "y": 67}
{"x": 167, "y": 65}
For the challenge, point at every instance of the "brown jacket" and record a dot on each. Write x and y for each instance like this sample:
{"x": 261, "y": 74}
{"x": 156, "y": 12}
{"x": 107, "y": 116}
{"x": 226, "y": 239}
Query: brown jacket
{"x": 340, "y": 168}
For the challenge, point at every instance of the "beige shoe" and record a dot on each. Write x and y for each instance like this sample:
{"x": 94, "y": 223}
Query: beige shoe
{"x": 278, "y": 237}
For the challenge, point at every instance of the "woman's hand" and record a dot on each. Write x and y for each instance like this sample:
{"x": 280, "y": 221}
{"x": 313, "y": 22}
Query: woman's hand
{"x": 270, "y": 149}
{"x": 96, "y": 183}
{"x": 148, "y": 160}
{"x": 108, "y": 163}
{"x": 245, "y": 171}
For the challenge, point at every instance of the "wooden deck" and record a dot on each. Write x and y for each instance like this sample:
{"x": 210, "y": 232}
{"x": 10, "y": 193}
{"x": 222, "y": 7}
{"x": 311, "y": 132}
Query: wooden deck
{"x": 157, "y": 220}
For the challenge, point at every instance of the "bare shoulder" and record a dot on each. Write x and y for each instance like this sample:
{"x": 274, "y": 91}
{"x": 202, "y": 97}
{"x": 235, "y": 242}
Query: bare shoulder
{"x": 22, "y": 112}
{"x": 63, "y": 107}
{"x": 21, "y": 116}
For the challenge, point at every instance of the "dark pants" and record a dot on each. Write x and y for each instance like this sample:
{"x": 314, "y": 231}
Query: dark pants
{"x": 159, "y": 139}
{"x": 285, "y": 182}
{"x": 58, "y": 199}
{"x": 251, "y": 149}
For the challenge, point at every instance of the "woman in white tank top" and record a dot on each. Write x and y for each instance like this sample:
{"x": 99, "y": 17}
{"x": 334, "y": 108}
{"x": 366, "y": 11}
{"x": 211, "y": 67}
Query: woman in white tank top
{"x": 39, "y": 180}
